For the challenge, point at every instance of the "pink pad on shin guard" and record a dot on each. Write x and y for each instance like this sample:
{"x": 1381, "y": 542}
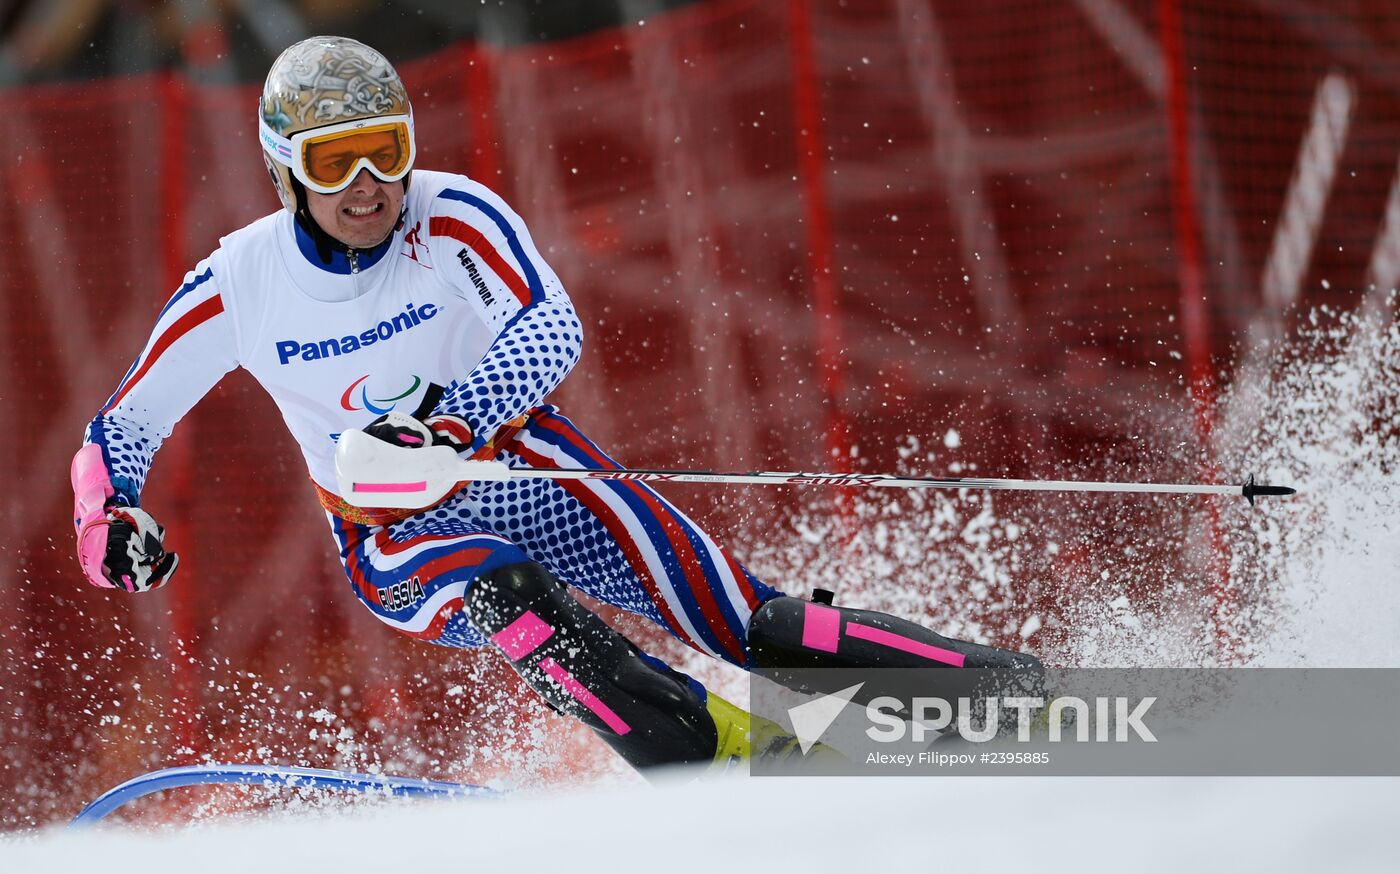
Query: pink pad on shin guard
{"x": 581, "y": 694}
{"x": 905, "y": 644}
{"x": 523, "y": 636}
{"x": 821, "y": 627}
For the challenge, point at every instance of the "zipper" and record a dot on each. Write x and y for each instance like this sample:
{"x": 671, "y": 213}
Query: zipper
{"x": 354, "y": 259}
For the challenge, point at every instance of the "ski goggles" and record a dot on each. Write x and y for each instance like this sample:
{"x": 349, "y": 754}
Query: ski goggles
{"x": 326, "y": 159}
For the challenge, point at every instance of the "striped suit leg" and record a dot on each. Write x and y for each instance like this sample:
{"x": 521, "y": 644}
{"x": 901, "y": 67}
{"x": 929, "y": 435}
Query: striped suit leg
{"x": 413, "y": 575}
{"x": 621, "y": 542}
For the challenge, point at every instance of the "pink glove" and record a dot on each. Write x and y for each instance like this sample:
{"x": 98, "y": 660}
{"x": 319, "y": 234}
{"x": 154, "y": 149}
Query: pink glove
{"x": 119, "y": 547}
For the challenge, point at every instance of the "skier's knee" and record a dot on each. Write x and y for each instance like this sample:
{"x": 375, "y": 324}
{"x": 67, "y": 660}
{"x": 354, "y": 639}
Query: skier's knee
{"x": 649, "y": 713}
{"x": 498, "y": 596}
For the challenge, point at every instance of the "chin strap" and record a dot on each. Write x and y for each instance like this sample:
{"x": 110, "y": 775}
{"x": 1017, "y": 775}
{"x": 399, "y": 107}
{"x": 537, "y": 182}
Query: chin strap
{"x": 324, "y": 242}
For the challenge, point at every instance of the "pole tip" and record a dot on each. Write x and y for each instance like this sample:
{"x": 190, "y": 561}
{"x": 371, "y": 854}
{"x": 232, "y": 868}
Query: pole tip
{"x": 1251, "y": 490}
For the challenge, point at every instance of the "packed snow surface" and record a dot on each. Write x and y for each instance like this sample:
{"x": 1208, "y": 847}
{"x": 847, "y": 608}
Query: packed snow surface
{"x": 795, "y": 824}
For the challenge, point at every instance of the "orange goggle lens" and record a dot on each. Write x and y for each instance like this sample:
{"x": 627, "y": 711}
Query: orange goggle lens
{"x": 331, "y": 160}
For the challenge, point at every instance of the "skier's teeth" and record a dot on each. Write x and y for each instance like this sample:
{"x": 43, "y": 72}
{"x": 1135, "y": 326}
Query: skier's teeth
{"x": 362, "y": 210}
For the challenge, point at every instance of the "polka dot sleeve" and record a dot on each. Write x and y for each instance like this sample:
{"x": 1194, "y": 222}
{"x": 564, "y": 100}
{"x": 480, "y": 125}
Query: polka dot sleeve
{"x": 527, "y": 361}
{"x": 497, "y": 268}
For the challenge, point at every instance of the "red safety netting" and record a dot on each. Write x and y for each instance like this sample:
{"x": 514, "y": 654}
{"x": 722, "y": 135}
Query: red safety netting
{"x": 991, "y": 186}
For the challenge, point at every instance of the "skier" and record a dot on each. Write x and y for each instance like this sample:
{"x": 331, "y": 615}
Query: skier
{"x": 375, "y": 285}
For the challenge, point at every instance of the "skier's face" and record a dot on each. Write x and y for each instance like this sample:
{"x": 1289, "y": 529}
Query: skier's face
{"x": 362, "y": 214}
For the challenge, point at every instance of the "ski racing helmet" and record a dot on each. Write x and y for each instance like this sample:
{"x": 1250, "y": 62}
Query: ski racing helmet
{"x": 331, "y": 106}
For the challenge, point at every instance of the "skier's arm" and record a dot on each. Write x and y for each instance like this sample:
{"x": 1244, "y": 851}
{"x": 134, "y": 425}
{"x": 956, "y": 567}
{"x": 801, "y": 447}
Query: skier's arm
{"x": 482, "y": 247}
{"x": 191, "y": 348}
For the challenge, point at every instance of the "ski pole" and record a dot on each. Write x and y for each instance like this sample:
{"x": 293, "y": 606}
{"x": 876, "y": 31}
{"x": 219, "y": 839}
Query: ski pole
{"x": 373, "y": 473}
{"x": 1249, "y": 490}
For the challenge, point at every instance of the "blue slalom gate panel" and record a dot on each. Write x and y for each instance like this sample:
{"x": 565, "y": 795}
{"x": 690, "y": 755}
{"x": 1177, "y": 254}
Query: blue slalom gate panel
{"x": 271, "y": 776}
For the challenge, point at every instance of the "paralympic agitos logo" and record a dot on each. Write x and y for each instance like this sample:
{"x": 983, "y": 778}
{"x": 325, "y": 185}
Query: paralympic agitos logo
{"x": 332, "y": 347}
{"x": 373, "y": 405}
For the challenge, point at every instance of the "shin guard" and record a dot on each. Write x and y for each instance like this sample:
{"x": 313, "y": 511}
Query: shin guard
{"x": 793, "y": 633}
{"x": 789, "y": 636}
{"x": 648, "y": 713}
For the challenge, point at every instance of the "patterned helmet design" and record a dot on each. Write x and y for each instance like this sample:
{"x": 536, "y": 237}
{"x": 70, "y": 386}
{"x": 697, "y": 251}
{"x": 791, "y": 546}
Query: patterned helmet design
{"x": 326, "y": 80}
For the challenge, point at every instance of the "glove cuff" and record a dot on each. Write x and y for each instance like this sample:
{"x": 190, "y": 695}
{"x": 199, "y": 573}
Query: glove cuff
{"x": 92, "y": 551}
{"x": 92, "y": 487}
{"x": 92, "y": 490}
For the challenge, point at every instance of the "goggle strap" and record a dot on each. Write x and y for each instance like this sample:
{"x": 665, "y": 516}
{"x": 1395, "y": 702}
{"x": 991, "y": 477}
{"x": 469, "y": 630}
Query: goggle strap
{"x": 278, "y": 145}
{"x": 283, "y": 149}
